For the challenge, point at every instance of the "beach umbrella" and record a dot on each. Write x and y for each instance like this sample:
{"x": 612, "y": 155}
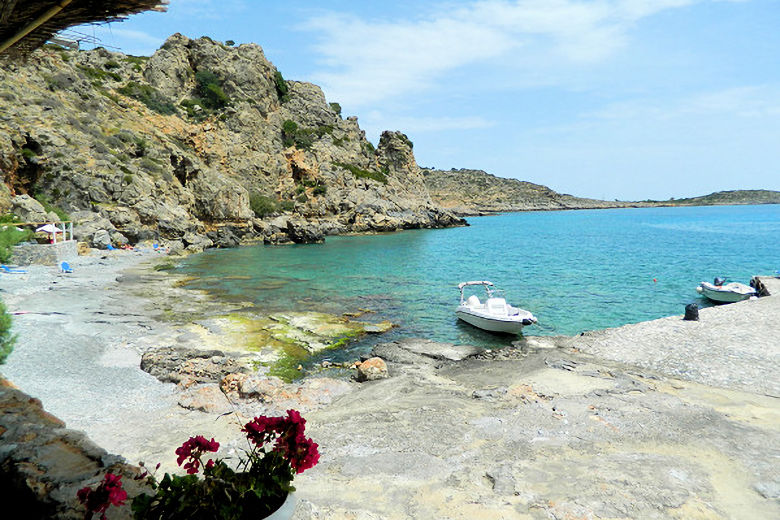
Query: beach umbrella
{"x": 48, "y": 228}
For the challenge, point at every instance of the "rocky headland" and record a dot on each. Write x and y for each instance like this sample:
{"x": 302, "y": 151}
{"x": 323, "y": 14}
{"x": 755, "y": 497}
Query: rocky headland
{"x": 200, "y": 145}
{"x": 476, "y": 192}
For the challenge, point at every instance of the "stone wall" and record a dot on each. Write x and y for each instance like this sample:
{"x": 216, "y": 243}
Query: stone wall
{"x": 45, "y": 254}
{"x": 43, "y": 464}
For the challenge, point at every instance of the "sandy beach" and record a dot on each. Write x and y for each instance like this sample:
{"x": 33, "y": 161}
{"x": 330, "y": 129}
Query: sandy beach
{"x": 663, "y": 419}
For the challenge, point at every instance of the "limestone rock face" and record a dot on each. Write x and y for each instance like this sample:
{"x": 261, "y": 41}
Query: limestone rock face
{"x": 174, "y": 147}
{"x": 28, "y": 209}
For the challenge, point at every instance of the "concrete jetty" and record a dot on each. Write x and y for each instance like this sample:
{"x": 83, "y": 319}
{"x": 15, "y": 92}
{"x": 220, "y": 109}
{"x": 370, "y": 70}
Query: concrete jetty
{"x": 731, "y": 346}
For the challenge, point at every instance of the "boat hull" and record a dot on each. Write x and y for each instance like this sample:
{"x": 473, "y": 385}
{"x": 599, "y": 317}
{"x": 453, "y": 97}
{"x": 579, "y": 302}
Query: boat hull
{"x": 721, "y": 295}
{"x": 489, "y": 324}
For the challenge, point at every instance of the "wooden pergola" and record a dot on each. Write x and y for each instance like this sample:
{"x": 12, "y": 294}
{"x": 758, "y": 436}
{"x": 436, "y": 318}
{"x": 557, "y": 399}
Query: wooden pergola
{"x": 26, "y": 25}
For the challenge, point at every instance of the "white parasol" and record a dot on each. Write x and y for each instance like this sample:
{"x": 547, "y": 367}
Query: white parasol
{"x": 49, "y": 228}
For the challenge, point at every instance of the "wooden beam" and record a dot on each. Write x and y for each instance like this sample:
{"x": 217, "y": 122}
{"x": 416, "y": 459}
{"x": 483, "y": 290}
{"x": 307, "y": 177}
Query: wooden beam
{"x": 45, "y": 17}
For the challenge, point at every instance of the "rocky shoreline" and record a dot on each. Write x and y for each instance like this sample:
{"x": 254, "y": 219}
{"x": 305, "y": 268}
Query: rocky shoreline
{"x": 200, "y": 145}
{"x": 663, "y": 419}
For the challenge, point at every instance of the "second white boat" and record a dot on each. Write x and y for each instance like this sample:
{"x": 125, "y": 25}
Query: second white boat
{"x": 725, "y": 292}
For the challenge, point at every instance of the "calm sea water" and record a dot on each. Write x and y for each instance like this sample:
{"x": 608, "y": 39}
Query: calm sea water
{"x": 575, "y": 270}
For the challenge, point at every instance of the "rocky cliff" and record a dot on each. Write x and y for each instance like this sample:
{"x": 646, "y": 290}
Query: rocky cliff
{"x": 202, "y": 144}
{"x": 474, "y": 192}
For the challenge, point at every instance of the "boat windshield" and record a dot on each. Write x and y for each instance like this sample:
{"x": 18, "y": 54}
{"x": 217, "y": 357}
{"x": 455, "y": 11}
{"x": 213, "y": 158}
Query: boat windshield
{"x": 491, "y": 290}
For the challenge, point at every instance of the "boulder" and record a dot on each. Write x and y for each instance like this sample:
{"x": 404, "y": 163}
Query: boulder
{"x": 87, "y": 224}
{"x": 372, "y": 369}
{"x": 223, "y": 237}
{"x": 101, "y": 239}
{"x": 188, "y": 365}
{"x": 27, "y": 209}
{"x": 118, "y": 238}
{"x": 205, "y": 398}
{"x": 255, "y": 393}
{"x": 195, "y": 243}
{"x": 303, "y": 232}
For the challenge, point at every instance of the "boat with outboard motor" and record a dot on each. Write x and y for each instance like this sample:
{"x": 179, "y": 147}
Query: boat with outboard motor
{"x": 495, "y": 314}
{"x": 722, "y": 292}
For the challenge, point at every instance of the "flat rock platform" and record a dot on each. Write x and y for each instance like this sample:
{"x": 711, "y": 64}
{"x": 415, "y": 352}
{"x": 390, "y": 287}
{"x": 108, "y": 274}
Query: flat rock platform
{"x": 663, "y": 419}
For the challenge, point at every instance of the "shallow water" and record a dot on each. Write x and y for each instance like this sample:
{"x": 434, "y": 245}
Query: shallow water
{"x": 575, "y": 270}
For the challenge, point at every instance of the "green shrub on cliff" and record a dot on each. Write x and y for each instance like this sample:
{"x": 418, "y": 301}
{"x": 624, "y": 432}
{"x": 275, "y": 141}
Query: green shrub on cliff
{"x": 282, "y": 90}
{"x": 262, "y": 205}
{"x": 7, "y": 340}
{"x": 149, "y": 96}
{"x": 49, "y": 207}
{"x": 209, "y": 89}
{"x": 303, "y": 138}
{"x": 360, "y": 173}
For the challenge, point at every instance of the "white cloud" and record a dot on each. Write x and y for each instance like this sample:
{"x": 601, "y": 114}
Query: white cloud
{"x": 364, "y": 61}
{"x": 738, "y": 102}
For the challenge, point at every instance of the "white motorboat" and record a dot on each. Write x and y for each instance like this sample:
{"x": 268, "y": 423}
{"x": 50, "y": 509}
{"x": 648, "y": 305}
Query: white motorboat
{"x": 494, "y": 314}
{"x": 725, "y": 292}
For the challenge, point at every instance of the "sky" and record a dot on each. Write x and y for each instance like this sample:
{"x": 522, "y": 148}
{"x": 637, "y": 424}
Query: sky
{"x": 610, "y": 99}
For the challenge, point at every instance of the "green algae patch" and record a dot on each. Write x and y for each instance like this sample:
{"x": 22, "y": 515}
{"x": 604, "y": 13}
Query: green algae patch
{"x": 315, "y": 331}
{"x": 286, "y": 367}
{"x": 282, "y": 342}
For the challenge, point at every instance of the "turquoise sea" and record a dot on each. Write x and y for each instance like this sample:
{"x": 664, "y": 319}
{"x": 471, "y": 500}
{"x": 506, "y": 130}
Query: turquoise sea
{"x": 575, "y": 270}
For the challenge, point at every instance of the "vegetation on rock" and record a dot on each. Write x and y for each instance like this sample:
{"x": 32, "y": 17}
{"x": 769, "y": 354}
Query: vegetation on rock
{"x": 51, "y": 208}
{"x": 149, "y": 96}
{"x": 209, "y": 90}
{"x": 9, "y": 237}
{"x": 282, "y": 90}
{"x": 294, "y": 135}
{"x": 360, "y": 173}
{"x": 263, "y": 205}
{"x": 7, "y": 339}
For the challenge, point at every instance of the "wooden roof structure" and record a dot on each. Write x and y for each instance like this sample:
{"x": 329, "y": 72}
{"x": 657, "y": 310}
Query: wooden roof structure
{"x": 26, "y": 25}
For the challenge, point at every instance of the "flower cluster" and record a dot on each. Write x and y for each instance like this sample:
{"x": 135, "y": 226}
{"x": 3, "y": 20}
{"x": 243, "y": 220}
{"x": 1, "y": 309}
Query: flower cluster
{"x": 192, "y": 450}
{"x": 290, "y": 441}
{"x": 252, "y": 488}
{"x": 109, "y": 492}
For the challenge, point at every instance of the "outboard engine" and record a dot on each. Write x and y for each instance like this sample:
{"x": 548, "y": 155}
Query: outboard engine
{"x": 718, "y": 281}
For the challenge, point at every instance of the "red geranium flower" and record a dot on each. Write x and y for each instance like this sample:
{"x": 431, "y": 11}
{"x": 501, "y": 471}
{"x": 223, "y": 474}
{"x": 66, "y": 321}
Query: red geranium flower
{"x": 109, "y": 492}
{"x": 288, "y": 436}
{"x": 193, "y": 449}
